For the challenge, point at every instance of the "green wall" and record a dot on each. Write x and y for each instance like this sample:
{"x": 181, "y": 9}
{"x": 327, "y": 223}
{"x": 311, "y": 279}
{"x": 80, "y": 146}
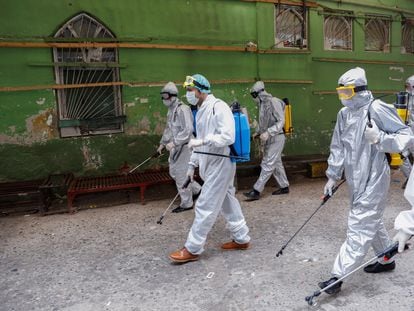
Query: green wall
{"x": 30, "y": 146}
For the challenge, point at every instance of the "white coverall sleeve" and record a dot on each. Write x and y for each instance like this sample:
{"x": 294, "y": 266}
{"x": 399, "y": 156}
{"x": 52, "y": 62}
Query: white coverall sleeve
{"x": 185, "y": 119}
{"x": 395, "y": 136}
{"x": 405, "y": 220}
{"x": 224, "y": 134}
{"x": 337, "y": 156}
{"x": 277, "y": 107}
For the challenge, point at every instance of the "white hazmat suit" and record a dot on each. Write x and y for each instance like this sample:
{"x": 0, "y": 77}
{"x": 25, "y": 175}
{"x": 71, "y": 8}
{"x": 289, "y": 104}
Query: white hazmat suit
{"x": 406, "y": 167}
{"x": 216, "y": 128}
{"x": 360, "y": 153}
{"x": 177, "y": 133}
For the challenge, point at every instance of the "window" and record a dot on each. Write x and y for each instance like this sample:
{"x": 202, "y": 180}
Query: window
{"x": 87, "y": 110}
{"x": 337, "y": 32}
{"x": 377, "y": 34}
{"x": 407, "y": 44}
{"x": 290, "y": 27}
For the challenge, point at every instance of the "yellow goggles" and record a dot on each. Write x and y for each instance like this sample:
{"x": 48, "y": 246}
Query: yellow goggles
{"x": 189, "y": 82}
{"x": 347, "y": 92}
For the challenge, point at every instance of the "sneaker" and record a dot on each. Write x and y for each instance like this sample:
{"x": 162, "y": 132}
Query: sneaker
{"x": 182, "y": 256}
{"x": 180, "y": 209}
{"x": 378, "y": 267}
{"x": 281, "y": 191}
{"x": 252, "y": 195}
{"x": 331, "y": 290}
{"x": 232, "y": 245}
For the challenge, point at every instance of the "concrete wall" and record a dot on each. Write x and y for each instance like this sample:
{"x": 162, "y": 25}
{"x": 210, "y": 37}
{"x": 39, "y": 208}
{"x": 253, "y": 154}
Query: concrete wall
{"x": 29, "y": 136}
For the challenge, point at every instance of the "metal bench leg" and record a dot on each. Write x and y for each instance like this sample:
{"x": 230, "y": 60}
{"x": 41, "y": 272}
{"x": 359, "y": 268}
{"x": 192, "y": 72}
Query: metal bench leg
{"x": 71, "y": 197}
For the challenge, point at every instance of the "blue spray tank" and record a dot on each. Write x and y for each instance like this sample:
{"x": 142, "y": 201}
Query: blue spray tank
{"x": 241, "y": 146}
{"x": 194, "y": 112}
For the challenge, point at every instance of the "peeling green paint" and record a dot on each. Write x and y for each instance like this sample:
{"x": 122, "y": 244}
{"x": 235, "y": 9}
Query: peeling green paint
{"x": 30, "y": 145}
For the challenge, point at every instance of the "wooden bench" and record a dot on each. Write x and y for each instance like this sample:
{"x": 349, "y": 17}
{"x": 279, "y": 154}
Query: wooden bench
{"x": 105, "y": 183}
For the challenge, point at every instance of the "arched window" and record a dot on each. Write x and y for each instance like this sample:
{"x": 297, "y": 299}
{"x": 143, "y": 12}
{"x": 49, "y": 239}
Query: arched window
{"x": 290, "y": 27}
{"x": 338, "y": 33}
{"x": 377, "y": 34}
{"x": 407, "y": 37}
{"x": 85, "y": 110}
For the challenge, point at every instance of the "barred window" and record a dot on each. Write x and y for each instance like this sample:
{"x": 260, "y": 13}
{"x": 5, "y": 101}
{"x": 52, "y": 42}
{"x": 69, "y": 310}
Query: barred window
{"x": 337, "y": 33}
{"x": 407, "y": 37}
{"x": 86, "y": 110}
{"x": 377, "y": 34}
{"x": 291, "y": 28}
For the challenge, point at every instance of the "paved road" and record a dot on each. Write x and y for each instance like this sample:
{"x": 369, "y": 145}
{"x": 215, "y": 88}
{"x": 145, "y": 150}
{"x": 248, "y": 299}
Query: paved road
{"x": 115, "y": 258}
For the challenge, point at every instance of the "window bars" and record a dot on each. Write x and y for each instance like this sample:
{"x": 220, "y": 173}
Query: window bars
{"x": 87, "y": 110}
{"x": 337, "y": 32}
{"x": 377, "y": 34}
{"x": 407, "y": 36}
{"x": 291, "y": 30}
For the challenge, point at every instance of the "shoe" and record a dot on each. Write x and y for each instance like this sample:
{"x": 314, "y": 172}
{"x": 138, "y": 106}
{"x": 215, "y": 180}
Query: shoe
{"x": 195, "y": 196}
{"x": 281, "y": 191}
{"x": 235, "y": 246}
{"x": 180, "y": 209}
{"x": 378, "y": 268}
{"x": 252, "y": 195}
{"x": 331, "y": 290}
{"x": 182, "y": 256}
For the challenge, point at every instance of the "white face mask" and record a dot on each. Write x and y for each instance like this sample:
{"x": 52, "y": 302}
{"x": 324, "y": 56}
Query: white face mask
{"x": 167, "y": 102}
{"x": 191, "y": 98}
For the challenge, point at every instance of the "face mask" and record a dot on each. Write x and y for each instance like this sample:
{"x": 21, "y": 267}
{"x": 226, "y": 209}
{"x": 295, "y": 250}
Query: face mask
{"x": 167, "y": 102}
{"x": 191, "y": 98}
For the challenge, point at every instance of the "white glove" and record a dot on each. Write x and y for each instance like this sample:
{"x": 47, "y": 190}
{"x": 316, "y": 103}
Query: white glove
{"x": 194, "y": 142}
{"x": 401, "y": 237}
{"x": 264, "y": 136}
{"x": 329, "y": 187}
{"x": 170, "y": 146}
{"x": 190, "y": 172}
{"x": 208, "y": 140}
{"x": 160, "y": 148}
{"x": 372, "y": 134}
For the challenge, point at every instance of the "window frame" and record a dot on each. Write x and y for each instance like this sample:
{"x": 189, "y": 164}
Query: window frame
{"x": 304, "y": 22}
{"x": 75, "y": 126}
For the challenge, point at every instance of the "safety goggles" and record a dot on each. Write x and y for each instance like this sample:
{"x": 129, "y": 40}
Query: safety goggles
{"x": 347, "y": 92}
{"x": 191, "y": 82}
{"x": 165, "y": 95}
{"x": 255, "y": 94}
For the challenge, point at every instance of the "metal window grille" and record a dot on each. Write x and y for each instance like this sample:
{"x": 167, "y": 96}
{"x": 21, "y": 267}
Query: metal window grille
{"x": 291, "y": 29}
{"x": 87, "y": 110}
{"x": 407, "y": 44}
{"x": 337, "y": 33}
{"x": 377, "y": 34}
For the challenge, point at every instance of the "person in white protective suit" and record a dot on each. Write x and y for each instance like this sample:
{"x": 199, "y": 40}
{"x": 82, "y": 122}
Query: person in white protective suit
{"x": 270, "y": 131}
{"x": 215, "y": 133}
{"x": 177, "y": 134}
{"x": 404, "y": 222}
{"x": 359, "y": 151}
{"x": 406, "y": 167}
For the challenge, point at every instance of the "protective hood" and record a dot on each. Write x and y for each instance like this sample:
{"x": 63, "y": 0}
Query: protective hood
{"x": 356, "y": 77}
{"x": 410, "y": 83}
{"x": 170, "y": 88}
